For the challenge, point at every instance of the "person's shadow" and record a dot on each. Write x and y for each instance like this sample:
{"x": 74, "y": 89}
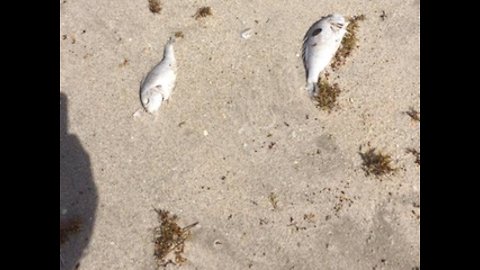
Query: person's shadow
{"x": 78, "y": 195}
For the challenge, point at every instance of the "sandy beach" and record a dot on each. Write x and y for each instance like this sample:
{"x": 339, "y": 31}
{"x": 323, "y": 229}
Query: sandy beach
{"x": 273, "y": 181}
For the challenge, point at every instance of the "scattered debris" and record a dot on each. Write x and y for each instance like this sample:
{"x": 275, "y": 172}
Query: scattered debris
{"x": 327, "y": 95}
{"x": 87, "y": 55}
{"x": 182, "y": 123}
{"x": 179, "y": 34}
{"x": 294, "y": 224}
{"x": 383, "y": 16}
{"x": 263, "y": 221}
{"x": 414, "y": 114}
{"x": 377, "y": 164}
{"x": 64, "y": 37}
{"x": 310, "y": 218}
{"x": 155, "y": 6}
{"x": 137, "y": 113}
{"x": 349, "y": 42}
{"x": 247, "y": 33}
{"x": 68, "y": 228}
{"x": 203, "y": 12}
{"x": 415, "y": 153}
{"x": 273, "y": 198}
{"x": 342, "y": 199}
{"x": 170, "y": 237}
{"x": 124, "y": 63}
{"x": 415, "y": 214}
{"x": 270, "y": 146}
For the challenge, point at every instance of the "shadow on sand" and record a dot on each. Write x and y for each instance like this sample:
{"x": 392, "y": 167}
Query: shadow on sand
{"x": 78, "y": 195}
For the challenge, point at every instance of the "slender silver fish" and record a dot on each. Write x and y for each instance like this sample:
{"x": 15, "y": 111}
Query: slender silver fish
{"x": 160, "y": 82}
{"x": 320, "y": 44}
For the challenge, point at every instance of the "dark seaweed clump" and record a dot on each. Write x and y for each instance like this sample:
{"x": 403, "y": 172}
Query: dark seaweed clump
{"x": 326, "y": 99}
{"x": 179, "y": 34}
{"x": 155, "y": 6}
{"x": 415, "y": 153}
{"x": 170, "y": 237}
{"x": 414, "y": 114}
{"x": 349, "y": 42}
{"x": 203, "y": 12}
{"x": 377, "y": 164}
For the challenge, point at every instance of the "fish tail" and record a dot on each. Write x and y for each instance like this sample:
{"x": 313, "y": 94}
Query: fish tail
{"x": 171, "y": 40}
{"x": 312, "y": 89}
{"x": 168, "y": 50}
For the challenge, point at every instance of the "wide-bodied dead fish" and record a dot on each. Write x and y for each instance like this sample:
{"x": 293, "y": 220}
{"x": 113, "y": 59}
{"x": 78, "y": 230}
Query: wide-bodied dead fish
{"x": 320, "y": 44}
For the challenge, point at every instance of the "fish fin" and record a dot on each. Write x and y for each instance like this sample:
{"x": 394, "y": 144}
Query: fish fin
{"x": 316, "y": 90}
{"x": 304, "y": 55}
{"x": 138, "y": 112}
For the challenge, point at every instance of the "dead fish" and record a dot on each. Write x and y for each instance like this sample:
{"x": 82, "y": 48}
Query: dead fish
{"x": 160, "y": 82}
{"x": 320, "y": 44}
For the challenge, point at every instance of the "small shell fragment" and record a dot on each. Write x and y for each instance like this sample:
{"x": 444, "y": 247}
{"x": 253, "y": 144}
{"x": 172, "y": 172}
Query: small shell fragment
{"x": 137, "y": 113}
{"x": 247, "y": 33}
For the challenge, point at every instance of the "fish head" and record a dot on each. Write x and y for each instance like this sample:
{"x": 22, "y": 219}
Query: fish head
{"x": 151, "y": 100}
{"x": 327, "y": 28}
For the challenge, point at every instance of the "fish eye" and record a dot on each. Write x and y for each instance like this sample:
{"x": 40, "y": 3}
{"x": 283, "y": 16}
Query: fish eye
{"x": 316, "y": 32}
